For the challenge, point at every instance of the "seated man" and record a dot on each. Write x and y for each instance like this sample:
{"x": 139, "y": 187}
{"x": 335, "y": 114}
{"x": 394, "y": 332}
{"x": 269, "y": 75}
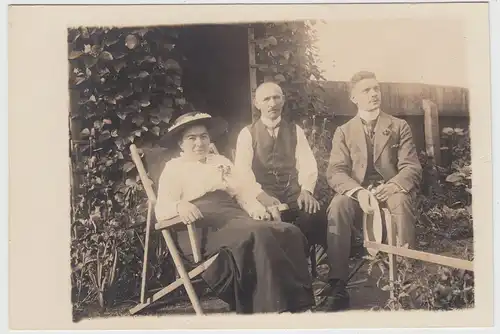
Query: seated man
{"x": 262, "y": 265}
{"x": 274, "y": 155}
{"x": 371, "y": 151}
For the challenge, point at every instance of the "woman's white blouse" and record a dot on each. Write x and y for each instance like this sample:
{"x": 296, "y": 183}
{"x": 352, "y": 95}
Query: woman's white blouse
{"x": 187, "y": 180}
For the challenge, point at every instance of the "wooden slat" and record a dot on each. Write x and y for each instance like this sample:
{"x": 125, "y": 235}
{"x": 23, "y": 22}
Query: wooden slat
{"x": 168, "y": 223}
{"x": 422, "y": 256}
{"x": 179, "y": 265}
{"x": 146, "y": 251}
{"x": 431, "y": 130}
{"x": 172, "y": 286}
{"x": 252, "y": 69}
{"x": 391, "y": 239}
{"x": 146, "y": 182}
{"x": 194, "y": 243}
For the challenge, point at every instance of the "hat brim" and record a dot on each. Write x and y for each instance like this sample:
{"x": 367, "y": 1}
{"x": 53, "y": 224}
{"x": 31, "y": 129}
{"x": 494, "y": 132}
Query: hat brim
{"x": 216, "y": 127}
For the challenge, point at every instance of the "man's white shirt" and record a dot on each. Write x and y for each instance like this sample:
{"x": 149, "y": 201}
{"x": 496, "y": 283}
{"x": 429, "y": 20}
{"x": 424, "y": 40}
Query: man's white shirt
{"x": 305, "y": 161}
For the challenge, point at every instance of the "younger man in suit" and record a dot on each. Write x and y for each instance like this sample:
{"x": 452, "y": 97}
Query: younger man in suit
{"x": 372, "y": 149}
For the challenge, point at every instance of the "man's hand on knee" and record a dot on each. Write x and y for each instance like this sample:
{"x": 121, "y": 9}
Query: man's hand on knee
{"x": 307, "y": 202}
{"x": 384, "y": 191}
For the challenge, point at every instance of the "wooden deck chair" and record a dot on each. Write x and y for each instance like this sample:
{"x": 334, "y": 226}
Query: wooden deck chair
{"x": 161, "y": 156}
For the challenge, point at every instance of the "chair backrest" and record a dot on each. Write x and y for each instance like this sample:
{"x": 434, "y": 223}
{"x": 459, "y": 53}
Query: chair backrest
{"x": 154, "y": 160}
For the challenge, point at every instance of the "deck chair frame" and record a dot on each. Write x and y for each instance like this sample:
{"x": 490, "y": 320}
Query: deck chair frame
{"x": 165, "y": 228}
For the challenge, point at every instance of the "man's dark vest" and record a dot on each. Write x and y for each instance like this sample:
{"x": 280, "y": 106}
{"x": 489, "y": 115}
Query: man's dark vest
{"x": 371, "y": 175}
{"x": 274, "y": 162}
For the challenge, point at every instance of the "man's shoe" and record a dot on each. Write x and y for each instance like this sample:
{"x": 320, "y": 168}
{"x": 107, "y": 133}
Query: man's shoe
{"x": 333, "y": 296}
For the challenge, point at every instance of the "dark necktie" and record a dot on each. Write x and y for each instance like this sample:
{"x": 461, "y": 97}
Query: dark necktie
{"x": 272, "y": 129}
{"x": 370, "y": 127}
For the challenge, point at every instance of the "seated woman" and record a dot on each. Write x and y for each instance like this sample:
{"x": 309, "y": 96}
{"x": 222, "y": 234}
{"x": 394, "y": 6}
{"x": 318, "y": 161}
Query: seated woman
{"x": 262, "y": 265}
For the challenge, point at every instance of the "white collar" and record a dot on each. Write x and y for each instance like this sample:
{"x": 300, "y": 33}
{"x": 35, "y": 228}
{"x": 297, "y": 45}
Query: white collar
{"x": 188, "y": 158}
{"x": 270, "y": 123}
{"x": 368, "y": 115}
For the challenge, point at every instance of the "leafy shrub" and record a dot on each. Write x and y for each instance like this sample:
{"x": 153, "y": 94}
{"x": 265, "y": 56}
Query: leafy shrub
{"x": 444, "y": 226}
{"x": 125, "y": 87}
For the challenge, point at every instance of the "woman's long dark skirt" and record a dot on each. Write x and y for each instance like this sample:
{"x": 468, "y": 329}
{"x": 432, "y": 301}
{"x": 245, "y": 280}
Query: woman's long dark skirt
{"x": 262, "y": 265}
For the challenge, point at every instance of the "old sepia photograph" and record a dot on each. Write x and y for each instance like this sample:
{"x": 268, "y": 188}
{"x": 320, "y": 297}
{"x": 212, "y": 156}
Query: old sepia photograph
{"x": 270, "y": 167}
{"x": 251, "y": 166}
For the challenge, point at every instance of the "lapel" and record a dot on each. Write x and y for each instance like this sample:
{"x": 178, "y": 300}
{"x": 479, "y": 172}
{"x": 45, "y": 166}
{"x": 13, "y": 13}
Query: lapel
{"x": 382, "y": 134}
{"x": 359, "y": 133}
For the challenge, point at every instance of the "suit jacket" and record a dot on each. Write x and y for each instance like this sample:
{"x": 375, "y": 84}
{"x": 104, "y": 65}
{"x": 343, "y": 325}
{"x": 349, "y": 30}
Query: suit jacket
{"x": 394, "y": 155}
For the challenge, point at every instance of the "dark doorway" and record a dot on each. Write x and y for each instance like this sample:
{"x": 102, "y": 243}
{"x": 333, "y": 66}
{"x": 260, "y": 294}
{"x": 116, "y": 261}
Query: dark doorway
{"x": 216, "y": 74}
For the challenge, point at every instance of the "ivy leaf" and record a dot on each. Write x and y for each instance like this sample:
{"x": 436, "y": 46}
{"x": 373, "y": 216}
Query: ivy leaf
{"x": 127, "y": 167}
{"x": 75, "y": 54}
{"x": 119, "y": 55}
{"x": 110, "y": 100}
{"x": 111, "y": 40}
{"x": 119, "y": 65}
{"x": 120, "y": 144}
{"x": 114, "y": 133}
{"x": 90, "y": 61}
{"x": 138, "y": 120}
{"x": 105, "y": 135}
{"x": 145, "y": 103}
{"x": 141, "y": 32}
{"x": 171, "y": 64}
{"x": 169, "y": 47}
{"x": 180, "y": 101}
{"x": 106, "y": 55}
{"x": 142, "y": 74}
{"x": 87, "y": 49}
{"x": 130, "y": 182}
{"x": 98, "y": 125}
{"x": 272, "y": 40}
{"x": 165, "y": 114}
{"x": 155, "y": 120}
{"x": 155, "y": 130}
{"x": 85, "y": 32}
{"x": 169, "y": 102}
{"x": 122, "y": 115}
{"x": 95, "y": 50}
{"x": 148, "y": 59}
{"x": 280, "y": 78}
{"x": 455, "y": 177}
{"x": 79, "y": 80}
{"x": 119, "y": 198}
{"x": 85, "y": 132}
{"x": 131, "y": 41}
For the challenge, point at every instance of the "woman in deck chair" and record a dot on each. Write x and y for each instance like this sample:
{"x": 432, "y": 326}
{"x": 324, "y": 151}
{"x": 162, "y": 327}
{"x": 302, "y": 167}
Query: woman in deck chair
{"x": 262, "y": 265}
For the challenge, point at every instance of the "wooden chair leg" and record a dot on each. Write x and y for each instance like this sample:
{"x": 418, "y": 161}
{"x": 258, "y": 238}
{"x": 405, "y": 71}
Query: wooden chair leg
{"x": 391, "y": 240}
{"x": 146, "y": 252}
{"x": 195, "y": 301}
{"x": 172, "y": 286}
